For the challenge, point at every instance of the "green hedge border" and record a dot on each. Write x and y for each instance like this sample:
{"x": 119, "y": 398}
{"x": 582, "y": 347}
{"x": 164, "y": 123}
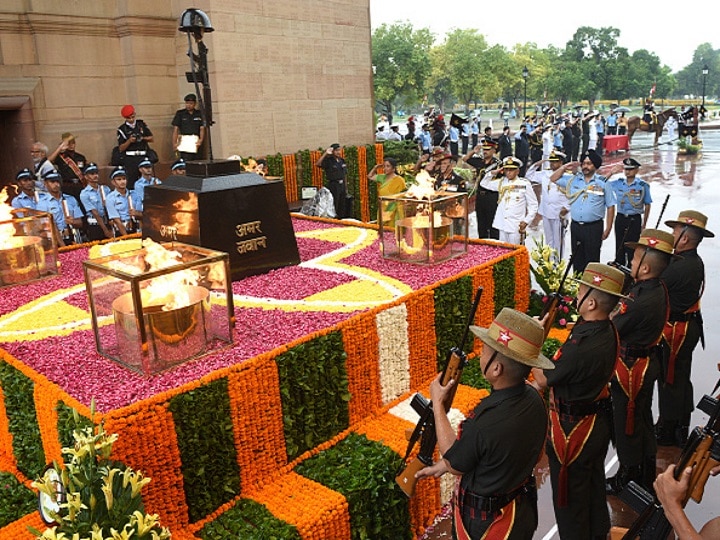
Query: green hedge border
{"x": 22, "y": 419}
{"x": 248, "y": 520}
{"x": 363, "y": 471}
{"x": 314, "y": 392}
{"x": 204, "y": 429}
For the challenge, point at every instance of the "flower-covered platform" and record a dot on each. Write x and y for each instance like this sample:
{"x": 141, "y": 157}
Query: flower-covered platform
{"x": 297, "y": 429}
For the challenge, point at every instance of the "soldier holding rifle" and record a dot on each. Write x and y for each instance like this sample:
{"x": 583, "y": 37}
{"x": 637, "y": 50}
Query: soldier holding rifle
{"x": 501, "y": 441}
{"x": 671, "y": 493}
{"x": 685, "y": 281}
{"x": 93, "y": 199}
{"x": 639, "y": 321}
{"x": 579, "y": 408}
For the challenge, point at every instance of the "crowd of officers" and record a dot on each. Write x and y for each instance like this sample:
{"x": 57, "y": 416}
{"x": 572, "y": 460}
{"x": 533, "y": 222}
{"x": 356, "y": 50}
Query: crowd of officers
{"x": 67, "y": 186}
{"x": 639, "y": 323}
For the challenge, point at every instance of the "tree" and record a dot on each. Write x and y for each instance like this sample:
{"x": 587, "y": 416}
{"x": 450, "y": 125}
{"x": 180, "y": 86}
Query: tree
{"x": 601, "y": 59}
{"x": 401, "y": 62}
{"x": 439, "y": 83}
{"x": 463, "y": 56}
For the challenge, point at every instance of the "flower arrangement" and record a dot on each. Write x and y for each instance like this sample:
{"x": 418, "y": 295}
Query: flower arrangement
{"x": 688, "y": 147}
{"x": 96, "y": 498}
{"x": 548, "y": 270}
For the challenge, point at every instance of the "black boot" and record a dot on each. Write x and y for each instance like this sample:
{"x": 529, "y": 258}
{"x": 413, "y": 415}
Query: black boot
{"x": 681, "y": 435}
{"x": 665, "y": 433}
{"x": 649, "y": 473}
{"x": 615, "y": 484}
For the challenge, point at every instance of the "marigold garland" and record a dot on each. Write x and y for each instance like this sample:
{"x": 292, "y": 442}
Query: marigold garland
{"x": 7, "y": 456}
{"x": 360, "y": 341}
{"x": 260, "y": 444}
{"x": 421, "y": 340}
{"x": 148, "y": 442}
{"x": 18, "y": 530}
{"x": 364, "y": 194}
{"x": 290, "y": 178}
{"x": 317, "y": 173}
{"x": 47, "y": 417}
{"x": 316, "y": 511}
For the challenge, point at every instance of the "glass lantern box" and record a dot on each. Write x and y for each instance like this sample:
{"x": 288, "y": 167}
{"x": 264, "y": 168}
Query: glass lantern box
{"x": 28, "y": 247}
{"x": 423, "y": 231}
{"x": 160, "y": 306}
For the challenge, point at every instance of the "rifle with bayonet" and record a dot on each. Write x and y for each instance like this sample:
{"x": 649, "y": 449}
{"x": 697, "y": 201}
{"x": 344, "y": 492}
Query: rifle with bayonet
{"x": 554, "y": 300}
{"x": 425, "y": 428}
{"x": 662, "y": 210}
{"x": 702, "y": 453}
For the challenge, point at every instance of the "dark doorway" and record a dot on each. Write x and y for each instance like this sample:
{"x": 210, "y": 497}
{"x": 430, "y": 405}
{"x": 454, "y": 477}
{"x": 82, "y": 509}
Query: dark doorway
{"x": 17, "y": 133}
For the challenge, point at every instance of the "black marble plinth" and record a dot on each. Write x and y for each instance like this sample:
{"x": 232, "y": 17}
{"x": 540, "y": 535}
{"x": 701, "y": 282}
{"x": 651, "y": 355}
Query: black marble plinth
{"x": 242, "y": 214}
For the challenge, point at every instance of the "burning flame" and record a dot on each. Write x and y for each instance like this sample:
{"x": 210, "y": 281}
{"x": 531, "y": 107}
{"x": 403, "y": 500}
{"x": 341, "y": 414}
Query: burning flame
{"x": 171, "y": 291}
{"x": 7, "y": 228}
{"x": 424, "y": 187}
{"x": 423, "y": 220}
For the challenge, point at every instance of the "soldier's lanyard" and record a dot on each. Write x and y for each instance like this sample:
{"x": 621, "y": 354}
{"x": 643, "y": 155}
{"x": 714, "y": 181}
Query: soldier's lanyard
{"x": 640, "y": 264}
{"x": 487, "y": 366}
{"x": 584, "y": 298}
{"x": 680, "y": 237}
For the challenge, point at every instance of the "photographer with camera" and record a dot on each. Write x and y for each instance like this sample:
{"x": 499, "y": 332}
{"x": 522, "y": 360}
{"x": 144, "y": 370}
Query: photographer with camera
{"x": 133, "y": 137}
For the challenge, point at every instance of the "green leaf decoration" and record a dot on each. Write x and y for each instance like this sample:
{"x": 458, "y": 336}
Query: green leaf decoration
{"x": 453, "y": 302}
{"x": 314, "y": 391}
{"x": 364, "y": 472}
{"x": 504, "y": 277}
{"x": 204, "y": 428}
{"x": 22, "y": 419}
{"x": 248, "y": 520}
{"x": 16, "y": 500}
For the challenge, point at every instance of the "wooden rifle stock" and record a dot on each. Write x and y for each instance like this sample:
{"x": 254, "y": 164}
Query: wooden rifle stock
{"x": 425, "y": 428}
{"x": 553, "y": 302}
{"x": 702, "y": 453}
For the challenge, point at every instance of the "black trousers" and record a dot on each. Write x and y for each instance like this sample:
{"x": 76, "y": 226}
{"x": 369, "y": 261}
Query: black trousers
{"x": 586, "y": 517}
{"x": 627, "y": 229}
{"x": 465, "y": 142}
{"x": 676, "y": 400}
{"x": 486, "y": 202}
{"x": 339, "y": 193}
{"x": 586, "y": 239}
{"x": 634, "y": 449}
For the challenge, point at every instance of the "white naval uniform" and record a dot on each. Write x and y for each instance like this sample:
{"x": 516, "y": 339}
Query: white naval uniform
{"x": 516, "y": 203}
{"x": 552, "y": 200}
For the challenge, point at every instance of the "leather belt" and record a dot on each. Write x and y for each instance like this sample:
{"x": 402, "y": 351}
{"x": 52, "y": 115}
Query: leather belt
{"x": 495, "y": 503}
{"x": 579, "y": 409}
{"x": 629, "y": 216}
{"x": 588, "y": 222}
{"x": 135, "y": 152}
{"x": 632, "y": 351}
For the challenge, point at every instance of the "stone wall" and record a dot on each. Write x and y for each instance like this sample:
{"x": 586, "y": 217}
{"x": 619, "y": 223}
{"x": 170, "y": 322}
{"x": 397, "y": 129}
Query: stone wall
{"x": 285, "y": 74}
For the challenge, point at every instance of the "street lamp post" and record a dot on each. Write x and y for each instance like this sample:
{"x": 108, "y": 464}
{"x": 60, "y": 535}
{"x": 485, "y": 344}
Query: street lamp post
{"x": 525, "y": 74}
{"x": 705, "y": 71}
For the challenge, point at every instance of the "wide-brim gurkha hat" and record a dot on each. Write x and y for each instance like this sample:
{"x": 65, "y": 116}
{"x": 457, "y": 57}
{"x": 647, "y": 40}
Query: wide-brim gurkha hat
{"x": 517, "y": 336}
{"x": 692, "y": 218}
{"x": 603, "y": 277}
{"x": 654, "y": 239}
